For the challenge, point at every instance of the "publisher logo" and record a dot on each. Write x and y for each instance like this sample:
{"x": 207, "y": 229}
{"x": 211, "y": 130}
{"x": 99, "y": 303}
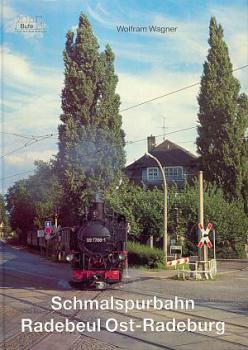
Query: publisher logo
{"x": 30, "y": 24}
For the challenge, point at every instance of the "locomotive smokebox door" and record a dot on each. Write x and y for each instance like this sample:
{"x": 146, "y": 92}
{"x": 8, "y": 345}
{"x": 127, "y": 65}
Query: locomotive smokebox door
{"x": 95, "y": 238}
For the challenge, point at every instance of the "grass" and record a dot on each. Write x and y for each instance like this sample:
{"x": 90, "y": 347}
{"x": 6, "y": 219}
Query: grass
{"x": 139, "y": 254}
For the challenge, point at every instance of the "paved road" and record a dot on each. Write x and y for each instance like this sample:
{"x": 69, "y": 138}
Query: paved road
{"x": 28, "y": 282}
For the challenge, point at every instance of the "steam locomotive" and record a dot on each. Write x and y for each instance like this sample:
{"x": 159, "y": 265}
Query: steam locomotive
{"x": 96, "y": 249}
{"x": 99, "y": 255}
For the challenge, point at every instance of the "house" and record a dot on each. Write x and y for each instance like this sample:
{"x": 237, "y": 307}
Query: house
{"x": 178, "y": 164}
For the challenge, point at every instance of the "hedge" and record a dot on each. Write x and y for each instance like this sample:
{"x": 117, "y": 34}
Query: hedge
{"x": 139, "y": 254}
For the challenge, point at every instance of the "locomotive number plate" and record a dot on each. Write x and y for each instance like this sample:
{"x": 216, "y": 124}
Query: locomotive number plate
{"x": 95, "y": 239}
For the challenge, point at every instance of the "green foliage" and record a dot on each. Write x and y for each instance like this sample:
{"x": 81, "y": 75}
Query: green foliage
{"x": 91, "y": 141}
{"x": 35, "y": 199}
{"x": 46, "y": 192}
{"x": 3, "y": 216}
{"x": 139, "y": 254}
{"x": 21, "y": 208}
{"x": 144, "y": 211}
{"x": 228, "y": 218}
{"x": 223, "y": 120}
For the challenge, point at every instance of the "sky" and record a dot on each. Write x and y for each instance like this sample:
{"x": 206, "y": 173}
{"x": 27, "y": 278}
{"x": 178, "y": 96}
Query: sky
{"x": 148, "y": 64}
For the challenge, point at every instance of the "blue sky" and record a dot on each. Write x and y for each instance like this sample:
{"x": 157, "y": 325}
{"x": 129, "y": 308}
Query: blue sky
{"x": 148, "y": 65}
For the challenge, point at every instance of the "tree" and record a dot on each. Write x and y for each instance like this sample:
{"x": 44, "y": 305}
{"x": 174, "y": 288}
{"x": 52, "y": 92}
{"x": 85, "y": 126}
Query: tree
{"x": 35, "y": 199}
{"x": 231, "y": 230}
{"x": 243, "y": 108}
{"x": 90, "y": 137}
{"x": 3, "y": 215}
{"x": 144, "y": 211}
{"x": 46, "y": 192}
{"x": 21, "y": 209}
{"x": 222, "y": 119}
{"x": 142, "y": 208}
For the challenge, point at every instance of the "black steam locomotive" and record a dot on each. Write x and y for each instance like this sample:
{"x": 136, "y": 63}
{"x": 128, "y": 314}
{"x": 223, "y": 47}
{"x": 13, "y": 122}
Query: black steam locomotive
{"x": 99, "y": 254}
{"x": 96, "y": 249}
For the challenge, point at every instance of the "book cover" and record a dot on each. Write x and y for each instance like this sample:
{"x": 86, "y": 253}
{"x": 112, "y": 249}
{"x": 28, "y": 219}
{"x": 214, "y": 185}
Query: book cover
{"x": 124, "y": 177}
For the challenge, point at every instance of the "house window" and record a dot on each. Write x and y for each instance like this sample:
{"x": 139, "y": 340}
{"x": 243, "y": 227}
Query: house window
{"x": 153, "y": 174}
{"x": 174, "y": 173}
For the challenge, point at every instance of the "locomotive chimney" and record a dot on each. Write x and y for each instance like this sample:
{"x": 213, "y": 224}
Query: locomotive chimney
{"x": 99, "y": 206}
{"x": 151, "y": 143}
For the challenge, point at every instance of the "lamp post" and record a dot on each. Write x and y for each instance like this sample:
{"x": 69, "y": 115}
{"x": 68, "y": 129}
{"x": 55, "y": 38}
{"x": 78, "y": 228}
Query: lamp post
{"x": 165, "y": 205}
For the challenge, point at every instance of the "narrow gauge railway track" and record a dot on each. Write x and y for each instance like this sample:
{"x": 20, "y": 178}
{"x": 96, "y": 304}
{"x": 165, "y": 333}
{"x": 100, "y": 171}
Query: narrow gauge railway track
{"x": 24, "y": 341}
{"x": 180, "y": 312}
{"x": 16, "y": 337}
{"x": 194, "y": 317}
{"x": 243, "y": 346}
{"x": 199, "y": 302}
{"x": 149, "y": 293}
{"x": 74, "y": 317}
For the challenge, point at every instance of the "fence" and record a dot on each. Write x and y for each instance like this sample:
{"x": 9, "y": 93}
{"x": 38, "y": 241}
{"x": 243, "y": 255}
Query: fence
{"x": 199, "y": 270}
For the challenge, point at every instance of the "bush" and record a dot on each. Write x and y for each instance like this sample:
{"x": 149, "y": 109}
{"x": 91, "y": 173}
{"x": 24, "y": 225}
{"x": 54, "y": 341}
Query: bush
{"x": 144, "y": 212}
{"x": 139, "y": 254}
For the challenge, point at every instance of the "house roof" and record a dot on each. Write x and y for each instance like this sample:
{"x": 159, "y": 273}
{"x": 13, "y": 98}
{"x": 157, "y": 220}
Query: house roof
{"x": 169, "y": 154}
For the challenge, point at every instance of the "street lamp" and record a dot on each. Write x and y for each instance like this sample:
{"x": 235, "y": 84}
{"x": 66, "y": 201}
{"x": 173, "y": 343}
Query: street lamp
{"x": 165, "y": 205}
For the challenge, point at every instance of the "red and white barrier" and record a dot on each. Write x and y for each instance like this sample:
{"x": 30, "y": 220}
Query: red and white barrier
{"x": 178, "y": 261}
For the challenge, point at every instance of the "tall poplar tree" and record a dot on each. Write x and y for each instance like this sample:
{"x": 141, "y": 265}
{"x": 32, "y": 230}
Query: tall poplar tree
{"x": 91, "y": 141}
{"x": 222, "y": 118}
{"x": 243, "y": 115}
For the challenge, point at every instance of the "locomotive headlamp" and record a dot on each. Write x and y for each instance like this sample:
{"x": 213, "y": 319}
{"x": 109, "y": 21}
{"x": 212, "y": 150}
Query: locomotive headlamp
{"x": 69, "y": 257}
{"x": 122, "y": 257}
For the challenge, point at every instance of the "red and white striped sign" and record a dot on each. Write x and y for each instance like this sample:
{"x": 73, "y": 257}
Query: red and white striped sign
{"x": 177, "y": 261}
{"x": 205, "y": 238}
{"x": 48, "y": 230}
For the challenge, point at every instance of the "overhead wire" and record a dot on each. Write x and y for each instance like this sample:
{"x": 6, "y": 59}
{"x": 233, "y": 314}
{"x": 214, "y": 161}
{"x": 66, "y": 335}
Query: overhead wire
{"x": 168, "y": 133}
{"x": 27, "y": 144}
{"x": 26, "y": 136}
{"x": 18, "y": 135}
{"x": 35, "y": 139}
{"x": 22, "y": 173}
{"x": 172, "y": 92}
{"x": 139, "y": 104}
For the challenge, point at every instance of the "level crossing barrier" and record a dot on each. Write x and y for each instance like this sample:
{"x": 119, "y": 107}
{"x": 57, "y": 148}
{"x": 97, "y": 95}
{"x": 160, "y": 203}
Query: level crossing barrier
{"x": 199, "y": 270}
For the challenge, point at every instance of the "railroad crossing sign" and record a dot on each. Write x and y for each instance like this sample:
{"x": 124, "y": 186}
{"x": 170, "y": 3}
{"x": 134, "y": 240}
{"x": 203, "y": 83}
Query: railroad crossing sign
{"x": 205, "y": 239}
{"x": 48, "y": 229}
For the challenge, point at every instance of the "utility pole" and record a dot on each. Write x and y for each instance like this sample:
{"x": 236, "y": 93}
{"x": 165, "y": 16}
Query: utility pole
{"x": 214, "y": 238}
{"x": 151, "y": 241}
{"x": 56, "y": 220}
{"x": 56, "y": 217}
{"x": 203, "y": 254}
{"x": 165, "y": 241}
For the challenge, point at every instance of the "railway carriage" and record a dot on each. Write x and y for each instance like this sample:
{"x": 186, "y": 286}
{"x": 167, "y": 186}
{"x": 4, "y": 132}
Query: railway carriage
{"x": 96, "y": 249}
